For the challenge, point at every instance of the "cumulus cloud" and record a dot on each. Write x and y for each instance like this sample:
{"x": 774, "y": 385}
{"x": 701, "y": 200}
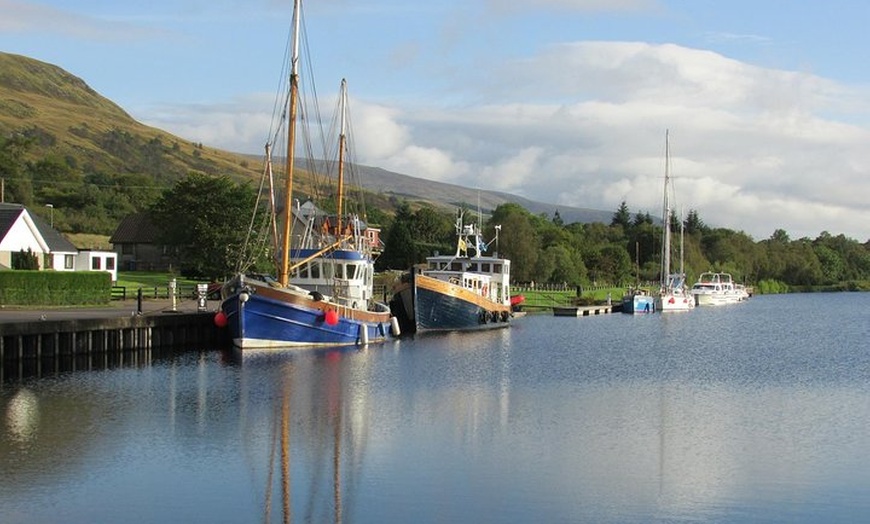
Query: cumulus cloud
{"x": 752, "y": 149}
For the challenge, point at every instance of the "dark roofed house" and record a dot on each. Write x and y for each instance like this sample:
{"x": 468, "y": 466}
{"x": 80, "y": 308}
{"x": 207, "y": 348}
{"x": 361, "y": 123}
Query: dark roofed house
{"x": 136, "y": 242}
{"x": 21, "y": 231}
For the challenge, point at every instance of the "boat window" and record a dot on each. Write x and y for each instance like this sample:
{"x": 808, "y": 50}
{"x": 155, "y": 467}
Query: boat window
{"x": 485, "y": 268}
{"x": 352, "y": 271}
{"x": 303, "y": 271}
{"x": 339, "y": 271}
{"x": 456, "y": 266}
{"x": 328, "y": 270}
{"x": 496, "y": 268}
{"x": 315, "y": 269}
{"x": 473, "y": 267}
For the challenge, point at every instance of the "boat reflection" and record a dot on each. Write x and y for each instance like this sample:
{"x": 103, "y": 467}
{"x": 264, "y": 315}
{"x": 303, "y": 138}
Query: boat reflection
{"x": 317, "y": 431}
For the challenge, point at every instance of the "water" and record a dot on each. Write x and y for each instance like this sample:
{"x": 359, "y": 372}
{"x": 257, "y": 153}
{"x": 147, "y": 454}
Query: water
{"x": 756, "y": 412}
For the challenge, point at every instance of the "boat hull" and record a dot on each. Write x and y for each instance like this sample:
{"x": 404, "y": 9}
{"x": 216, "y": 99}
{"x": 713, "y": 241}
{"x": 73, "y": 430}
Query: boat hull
{"x": 259, "y": 316}
{"x": 674, "y": 302}
{"x": 715, "y": 299}
{"x": 638, "y": 304}
{"x": 429, "y": 304}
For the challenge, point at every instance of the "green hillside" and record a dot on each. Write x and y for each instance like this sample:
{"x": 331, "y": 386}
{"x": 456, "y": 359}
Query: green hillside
{"x": 66, "y": 145}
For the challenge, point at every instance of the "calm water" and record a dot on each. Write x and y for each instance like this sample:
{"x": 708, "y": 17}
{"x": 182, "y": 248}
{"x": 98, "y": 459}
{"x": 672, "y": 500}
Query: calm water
{"x": 757, "y": 412}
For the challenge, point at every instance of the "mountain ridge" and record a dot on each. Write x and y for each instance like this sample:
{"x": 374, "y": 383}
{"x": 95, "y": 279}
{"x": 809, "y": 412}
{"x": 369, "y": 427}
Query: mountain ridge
{"x": 71, "y": 121}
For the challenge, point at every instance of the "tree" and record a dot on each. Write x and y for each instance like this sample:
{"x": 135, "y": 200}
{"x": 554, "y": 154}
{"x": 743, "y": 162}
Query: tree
{"x": 25, "y": 260}
{"x": 400, "y": 248}
{"x": 622, "y": 217}
{"x": 206, "y": 218}
{"x": 518, "y": 240}
{"x": 694, "y": 224}
{"x": 431, "y": 227}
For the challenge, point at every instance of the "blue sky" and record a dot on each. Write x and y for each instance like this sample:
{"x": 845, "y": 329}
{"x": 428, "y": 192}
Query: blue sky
{"x": 561, "y": 101}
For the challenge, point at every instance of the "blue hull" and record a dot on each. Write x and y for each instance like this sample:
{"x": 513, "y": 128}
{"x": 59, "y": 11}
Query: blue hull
{"x": 437, "y": 311}
{"x": 262, "y": 322}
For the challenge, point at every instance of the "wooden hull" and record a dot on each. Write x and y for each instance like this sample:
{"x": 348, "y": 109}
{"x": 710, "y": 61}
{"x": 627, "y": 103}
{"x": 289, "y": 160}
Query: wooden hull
{"x": 429, "y": 304}
{"x": 260, "y": 316}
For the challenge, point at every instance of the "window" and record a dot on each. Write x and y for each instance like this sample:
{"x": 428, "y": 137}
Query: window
{"x": 69, "y": 261}
{"x": 95, "y": 263}
{"x": 110, "y": 263}
{"x": 315, "y": 269}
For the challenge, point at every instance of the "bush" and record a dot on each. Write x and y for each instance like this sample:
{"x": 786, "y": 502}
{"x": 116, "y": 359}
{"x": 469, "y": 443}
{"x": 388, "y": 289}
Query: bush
{"x": 55, "y": 288}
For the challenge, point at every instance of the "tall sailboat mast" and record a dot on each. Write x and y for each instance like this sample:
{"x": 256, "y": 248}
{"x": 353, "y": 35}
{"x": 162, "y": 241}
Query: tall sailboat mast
{"x": 283, "y": 276}
{"x": 666, "y": 217}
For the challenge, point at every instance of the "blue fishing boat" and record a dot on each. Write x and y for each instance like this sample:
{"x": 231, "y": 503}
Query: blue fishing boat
{"x": 323, "y": 293}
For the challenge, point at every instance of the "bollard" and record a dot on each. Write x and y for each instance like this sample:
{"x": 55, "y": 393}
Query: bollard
{"x": 202, "y": 297}
{"x": 172, "y": 287}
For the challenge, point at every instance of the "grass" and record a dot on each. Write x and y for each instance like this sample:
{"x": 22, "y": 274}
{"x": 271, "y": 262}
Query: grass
{"x": 543, "y": 298}
{"x": 153, "y": 285}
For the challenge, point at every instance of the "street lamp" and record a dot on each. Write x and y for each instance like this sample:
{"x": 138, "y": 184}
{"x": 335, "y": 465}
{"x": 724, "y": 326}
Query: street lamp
{"x": 51, "y": 213}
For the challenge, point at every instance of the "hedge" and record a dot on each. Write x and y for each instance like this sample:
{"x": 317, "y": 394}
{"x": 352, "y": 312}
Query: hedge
{"x": 55, "y": 288}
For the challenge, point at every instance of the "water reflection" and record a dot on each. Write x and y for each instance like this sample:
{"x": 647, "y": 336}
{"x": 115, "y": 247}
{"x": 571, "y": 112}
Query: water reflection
{"x": 317, "y": 429}
{"x": 552, "y": 420}
{"x": 22, "y": 415}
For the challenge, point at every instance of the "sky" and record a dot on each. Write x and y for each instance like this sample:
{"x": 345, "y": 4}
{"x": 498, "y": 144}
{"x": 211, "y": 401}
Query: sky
{"x": 766, "y": 103}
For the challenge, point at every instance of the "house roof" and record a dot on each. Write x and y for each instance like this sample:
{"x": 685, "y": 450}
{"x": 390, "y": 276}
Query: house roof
{"x": 9, "y": 213}
{"x": 56, "y": 242}
{"x": 137, "y": 228}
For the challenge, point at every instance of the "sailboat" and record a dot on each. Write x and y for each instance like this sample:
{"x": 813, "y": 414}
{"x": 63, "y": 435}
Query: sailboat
{"x": 323, "y": 293}
{"x": 674, "y": 292}
{"x": 468, "y": 290}
{"x": 637, "y": 299}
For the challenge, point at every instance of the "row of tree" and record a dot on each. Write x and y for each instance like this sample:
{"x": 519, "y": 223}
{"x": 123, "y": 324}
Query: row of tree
{"x": 544, "y": 249}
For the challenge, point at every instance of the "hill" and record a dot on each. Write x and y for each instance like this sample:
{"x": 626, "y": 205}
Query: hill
{"x": 95, "y": 164}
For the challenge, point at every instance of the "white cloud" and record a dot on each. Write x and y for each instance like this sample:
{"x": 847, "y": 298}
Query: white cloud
{"x": 753, "y": 149}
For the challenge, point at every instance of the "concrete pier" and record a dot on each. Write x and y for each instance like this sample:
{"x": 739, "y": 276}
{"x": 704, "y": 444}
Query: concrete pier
{"x": 44, "y": 333}
{"x": 581, "y": 311}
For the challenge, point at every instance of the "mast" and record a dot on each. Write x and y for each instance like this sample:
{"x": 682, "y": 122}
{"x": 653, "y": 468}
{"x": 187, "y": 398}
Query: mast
{"x": 283, "y": 277}
{"x": 666, "y": 217}
{"x": 342, "y": 143}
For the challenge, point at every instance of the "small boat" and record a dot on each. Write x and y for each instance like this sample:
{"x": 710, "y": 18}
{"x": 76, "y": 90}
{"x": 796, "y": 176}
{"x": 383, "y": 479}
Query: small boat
{"x": 716, "y": 289}
{"x": 674, "y": 293}
{"x": 323, "y": 295}
{"x": 638, "y": 300}
{"x": 464, "y": 291}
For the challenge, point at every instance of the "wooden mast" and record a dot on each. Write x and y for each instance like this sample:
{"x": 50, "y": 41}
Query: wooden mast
{"x": 342, "y": 144}
{"x": 283, "y": 276}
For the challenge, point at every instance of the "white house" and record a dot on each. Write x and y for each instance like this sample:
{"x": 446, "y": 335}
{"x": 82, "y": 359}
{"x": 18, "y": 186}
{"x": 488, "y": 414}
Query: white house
{"x": 90, "y": 260}
{"x": 22, "y": 231}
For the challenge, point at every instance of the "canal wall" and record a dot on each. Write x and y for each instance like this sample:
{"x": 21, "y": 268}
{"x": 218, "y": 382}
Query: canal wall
{"x": 35, "y": 334}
